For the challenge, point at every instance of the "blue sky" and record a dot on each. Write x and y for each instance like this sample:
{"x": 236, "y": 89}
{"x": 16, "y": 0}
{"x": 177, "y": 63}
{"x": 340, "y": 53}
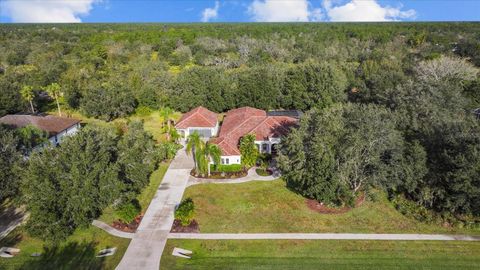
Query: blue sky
{"x": 236, "y": 11}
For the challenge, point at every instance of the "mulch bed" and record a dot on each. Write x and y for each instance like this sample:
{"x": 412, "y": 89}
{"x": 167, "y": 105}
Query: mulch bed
{"x": 130, "y": 227}
{"x": 323, "y": 209}
{"x": 220, "y": 175}
{"x": 191, "y": 228}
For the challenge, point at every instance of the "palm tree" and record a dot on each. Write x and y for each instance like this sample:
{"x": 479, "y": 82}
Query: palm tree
{"x": 28, "y": 94}
{"x": 194, "y": 146}
{"x": 166, "y": 113}
{"x": 53, "y": 90}
{"x": 213, "y": 152}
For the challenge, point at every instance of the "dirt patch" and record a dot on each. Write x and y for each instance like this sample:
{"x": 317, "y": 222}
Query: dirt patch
{"x": 130, "y": 227}
{"x": 323, "y": 209}
{"x": 177, "y": 227}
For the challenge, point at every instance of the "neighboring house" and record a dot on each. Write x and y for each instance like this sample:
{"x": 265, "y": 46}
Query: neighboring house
{"x": 201, "y": 120}
{"x": 237, "y": 123}
{"x": 56, "y": 127}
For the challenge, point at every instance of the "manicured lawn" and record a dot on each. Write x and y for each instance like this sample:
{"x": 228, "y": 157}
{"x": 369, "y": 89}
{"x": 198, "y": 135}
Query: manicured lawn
{"x": 270, "y": 207}
{"x": 110, "y": 214}
{"x": 322, "y": 254}
{"x": 78, "y": 252}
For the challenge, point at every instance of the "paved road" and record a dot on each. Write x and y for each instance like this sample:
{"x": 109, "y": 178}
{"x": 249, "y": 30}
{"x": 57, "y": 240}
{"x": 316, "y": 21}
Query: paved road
{"x": 321, "y": 236}
{"x": 146, "y": 247}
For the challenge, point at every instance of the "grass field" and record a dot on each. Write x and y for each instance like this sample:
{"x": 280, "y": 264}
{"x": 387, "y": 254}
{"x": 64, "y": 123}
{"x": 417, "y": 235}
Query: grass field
{"x": 78, "y": 252}
{"x": 258, "y": 207}
{"x": 323, "y": 254}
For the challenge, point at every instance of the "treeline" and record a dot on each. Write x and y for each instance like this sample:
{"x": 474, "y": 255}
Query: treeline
{"x": 418, "y": 140}
{"x": 109, "y": 71}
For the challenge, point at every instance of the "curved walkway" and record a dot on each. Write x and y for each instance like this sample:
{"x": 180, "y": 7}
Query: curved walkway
{"x": 109, "y": 229}
{"x": 251, "y": 176}
{"x": 322, "y": 236}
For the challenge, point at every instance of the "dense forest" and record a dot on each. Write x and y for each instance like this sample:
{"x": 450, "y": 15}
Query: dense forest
{"x": 388, "y": 105}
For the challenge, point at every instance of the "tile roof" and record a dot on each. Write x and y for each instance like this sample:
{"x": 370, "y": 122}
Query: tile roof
{"x": 51, "y": 124}
{"x": 198, "y": 117}
{"x": 239, "y": 122}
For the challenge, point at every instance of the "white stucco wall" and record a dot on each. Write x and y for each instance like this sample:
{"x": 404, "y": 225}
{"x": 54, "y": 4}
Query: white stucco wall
{"x": 231, "y": 160}
{"x": 189, "y": 130}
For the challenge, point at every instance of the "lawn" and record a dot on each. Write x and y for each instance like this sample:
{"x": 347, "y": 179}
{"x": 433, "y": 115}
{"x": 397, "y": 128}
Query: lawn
{"x": 261, "y": 207}
{"x": 78, "y": 252}
{"x": 110, "y": 214}
{"x": 322, "y": 254}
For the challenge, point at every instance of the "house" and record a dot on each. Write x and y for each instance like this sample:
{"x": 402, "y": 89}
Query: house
{"x": 237, "y": 123}
{"x": 201, "y": 120}
{"x": 56, "y": 127}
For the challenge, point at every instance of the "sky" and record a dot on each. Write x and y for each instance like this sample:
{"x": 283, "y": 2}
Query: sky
{"x": 90, "y": 11}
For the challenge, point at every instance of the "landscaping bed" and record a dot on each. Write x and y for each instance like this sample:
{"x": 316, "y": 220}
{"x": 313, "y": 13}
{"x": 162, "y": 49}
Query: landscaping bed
{"x": 323, "y": 209}
{"x": 221, "y": 174}
{"x": 128, "y": 227}
{"x": 177, "y": 227}
{"x": 263, "y": 172}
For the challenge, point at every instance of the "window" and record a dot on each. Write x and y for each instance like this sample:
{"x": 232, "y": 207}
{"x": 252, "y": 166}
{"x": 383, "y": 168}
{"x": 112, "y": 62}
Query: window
{"x": 226, "y": 161}
{"x": 264, "y": 148}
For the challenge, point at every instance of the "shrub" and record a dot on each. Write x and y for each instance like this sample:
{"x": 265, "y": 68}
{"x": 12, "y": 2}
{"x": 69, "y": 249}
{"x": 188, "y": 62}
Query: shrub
{"x": 143, "y": 111}
{"x": 128, "y": 211}
{"x": 226, "y": 168}
{"x": 185, "y": 211}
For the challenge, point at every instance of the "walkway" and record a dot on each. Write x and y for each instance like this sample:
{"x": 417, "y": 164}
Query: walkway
{"x": 146, "y": 247}
{"x": 10, "y": 218}
{"x": 109, "y": 229}
{"x": 322, "y": 236}
{"x": 251, "y": 176}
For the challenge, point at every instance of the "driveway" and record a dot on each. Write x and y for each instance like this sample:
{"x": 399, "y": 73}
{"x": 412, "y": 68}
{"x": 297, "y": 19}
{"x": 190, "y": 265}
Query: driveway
{"x": 146, "y": 247}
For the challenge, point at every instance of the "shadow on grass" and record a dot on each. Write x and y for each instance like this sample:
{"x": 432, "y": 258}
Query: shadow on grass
{"x": 70, "y": 256}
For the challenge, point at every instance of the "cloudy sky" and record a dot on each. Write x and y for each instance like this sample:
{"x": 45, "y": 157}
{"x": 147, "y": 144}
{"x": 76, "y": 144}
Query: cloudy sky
{"x": 237, "y": 11}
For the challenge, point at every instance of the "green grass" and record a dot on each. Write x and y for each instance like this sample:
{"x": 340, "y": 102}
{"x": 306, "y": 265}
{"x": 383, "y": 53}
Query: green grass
{"x": 261, "y": 207}
{"x": 322, "y": 254}
{"x": 110, "y": 214}
{"x": 77, "y": 252}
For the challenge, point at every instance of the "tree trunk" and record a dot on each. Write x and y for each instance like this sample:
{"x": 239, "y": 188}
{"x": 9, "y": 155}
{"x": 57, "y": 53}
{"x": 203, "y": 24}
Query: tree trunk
{"x": 58, "y": 106}
{"x": 208, "y": 170}
{"x": 168, "y": 129}
{"x": 31, "y": 106}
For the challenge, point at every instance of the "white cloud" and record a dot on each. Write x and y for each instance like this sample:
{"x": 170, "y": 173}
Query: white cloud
{"x": 46, "y": 11}
{"x": 210, "y": 13}
{"x": 365, "y": 10}
{"x": 283, "y": 11}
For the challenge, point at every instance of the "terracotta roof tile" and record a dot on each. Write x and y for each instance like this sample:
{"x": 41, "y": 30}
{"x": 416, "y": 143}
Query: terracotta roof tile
{"x": 198, "y": 117}
{"x": 239, "y": 122}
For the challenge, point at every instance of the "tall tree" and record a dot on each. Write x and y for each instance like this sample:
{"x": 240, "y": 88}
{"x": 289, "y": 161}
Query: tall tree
{"x": 53, "y": 91}
{"x": 194, "y": 146}
{"x": 212, "y": 152}
{"x": 10, "y": 160}
{"x": 249, "y": 150}
{"x": 166, "y": 113}
{"x": 28, "y": 94}
{"x": 67, "y": 187}
{"x": 136, "y": 158}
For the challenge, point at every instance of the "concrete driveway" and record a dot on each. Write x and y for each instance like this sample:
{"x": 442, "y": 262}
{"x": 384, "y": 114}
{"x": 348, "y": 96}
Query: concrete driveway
{"x": 146, "y": 247}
